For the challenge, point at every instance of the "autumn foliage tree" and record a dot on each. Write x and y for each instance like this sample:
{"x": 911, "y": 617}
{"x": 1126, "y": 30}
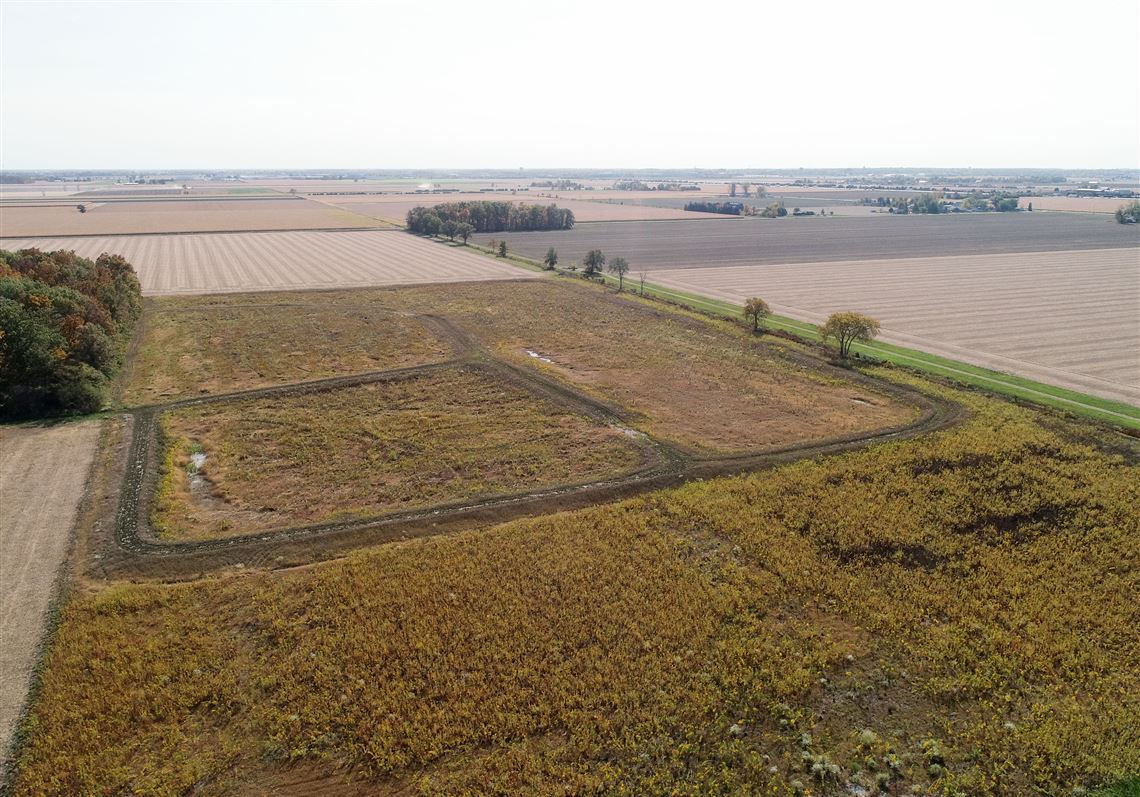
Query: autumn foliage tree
{"x": 848, "y": 327}
{"x": 64, "y": 324}
{"x": 756, "y": 310}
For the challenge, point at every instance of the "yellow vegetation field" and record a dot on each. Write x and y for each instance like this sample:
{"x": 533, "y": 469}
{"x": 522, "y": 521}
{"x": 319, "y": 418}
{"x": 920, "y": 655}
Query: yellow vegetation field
{"x": 374, "y": 449}
{"x": 191, "y": 347}
{"x": 953, "y": 614}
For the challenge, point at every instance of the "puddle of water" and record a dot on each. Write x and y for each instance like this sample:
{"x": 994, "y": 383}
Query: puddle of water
{"x": 538, "y": 356}
{"x": 858, "y": 400}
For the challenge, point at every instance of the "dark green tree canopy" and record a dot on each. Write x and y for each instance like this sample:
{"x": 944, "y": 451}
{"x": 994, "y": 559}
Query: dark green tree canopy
{"x": 64, "y": 324}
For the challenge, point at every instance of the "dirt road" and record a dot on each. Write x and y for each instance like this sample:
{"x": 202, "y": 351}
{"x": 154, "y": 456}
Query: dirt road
{"x": 43, "y": 470}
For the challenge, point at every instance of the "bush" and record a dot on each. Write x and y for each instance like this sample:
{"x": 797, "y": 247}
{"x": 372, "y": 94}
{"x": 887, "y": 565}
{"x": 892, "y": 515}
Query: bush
{"x": 64, "y": 324}
{"x": 1129, "y": 213}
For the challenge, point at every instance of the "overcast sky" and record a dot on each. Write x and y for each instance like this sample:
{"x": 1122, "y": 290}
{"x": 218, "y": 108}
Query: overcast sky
{"x": 572, "y": 84}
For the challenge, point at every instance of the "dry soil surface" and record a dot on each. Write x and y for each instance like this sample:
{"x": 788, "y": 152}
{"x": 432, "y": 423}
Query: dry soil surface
{"x": 299, "y": 260}
{"x": 42, "y": 473}
{"x": 1066, "y": 318}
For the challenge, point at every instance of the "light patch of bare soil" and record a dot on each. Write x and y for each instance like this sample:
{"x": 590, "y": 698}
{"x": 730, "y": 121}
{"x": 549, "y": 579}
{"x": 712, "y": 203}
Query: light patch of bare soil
{"x": 42, "y": 473}
{"x": 174, "y": 215}
{"x": 296, "y": 260}
{"x": 1074, "y": 204}
{"x": 1066, "y": 318}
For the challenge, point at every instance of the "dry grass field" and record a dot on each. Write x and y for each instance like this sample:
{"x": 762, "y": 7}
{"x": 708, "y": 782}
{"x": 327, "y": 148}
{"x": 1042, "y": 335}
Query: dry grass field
{"x": 1074, "y": 204}
{"x": 115, "y": 217}
{"x": 192, "y": 347}
{"x": 407, "y": 443}
{"x": 42, "y": 473}
{"x": 702, "y": 384}
{"x": 1065, "y": 318}
{"x": 658, "y": 245}
{"x": 198, "y": 264}
{"x": 800, "y": 630}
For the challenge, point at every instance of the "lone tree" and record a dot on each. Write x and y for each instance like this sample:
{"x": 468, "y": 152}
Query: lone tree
{"x": 551, "y": 259}
{"x": 619, "y": 267}
{"x": 848, "y": 327}
{"x": 756, "y": 309}
{"x": 465, "y": 231}
{"x": 502, "y": 248}
{"x": 594, "y": 262}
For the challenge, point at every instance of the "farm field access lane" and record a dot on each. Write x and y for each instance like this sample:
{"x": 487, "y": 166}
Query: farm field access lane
{"x": 42, "y": 472}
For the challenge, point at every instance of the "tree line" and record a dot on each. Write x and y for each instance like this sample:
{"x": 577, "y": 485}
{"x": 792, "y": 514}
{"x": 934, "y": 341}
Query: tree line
{"x": 727, "y": 208}
{"x": 65, "y": 322}
{"x": 487, "y": 216}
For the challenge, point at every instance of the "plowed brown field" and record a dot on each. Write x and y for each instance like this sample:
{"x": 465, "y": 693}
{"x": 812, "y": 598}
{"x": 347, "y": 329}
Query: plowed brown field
{"x": 396, "y": 208}
{"x": 173, "y": 215}
{"x": 1067, "y": 318}
{"x": 679, "y": 244}
{"x": 239, "y": 262}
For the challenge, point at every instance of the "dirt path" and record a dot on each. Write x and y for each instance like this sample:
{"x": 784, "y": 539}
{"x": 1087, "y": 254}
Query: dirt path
{"x": 43, "y": 470}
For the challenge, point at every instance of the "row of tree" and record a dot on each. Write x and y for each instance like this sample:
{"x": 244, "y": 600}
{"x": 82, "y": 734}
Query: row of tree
{"x": 727, "y": 208}
{"x": 845, "y": 328}
{"x": 65, "y": 322}
{"x": 488, "y": 216}
{"x": 747, "y": 189}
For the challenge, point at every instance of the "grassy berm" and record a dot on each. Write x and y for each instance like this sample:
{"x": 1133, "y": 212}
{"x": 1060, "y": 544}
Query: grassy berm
{"x": 949, "y": 615}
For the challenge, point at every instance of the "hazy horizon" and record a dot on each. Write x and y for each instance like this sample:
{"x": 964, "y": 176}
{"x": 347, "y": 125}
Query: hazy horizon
{"x": 121, "y": 86}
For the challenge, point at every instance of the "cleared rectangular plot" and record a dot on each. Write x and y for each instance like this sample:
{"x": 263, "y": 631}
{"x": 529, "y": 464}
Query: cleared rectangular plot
{"x": 389, "y": 446}
{"x": 1075, "y": 204}
{"x": 712, "y": 243}
{"x": 129, "y": 216}
{"x": 1067, "y": 318}
{"x": 299, "y": 260}
{"x": 192, "y": 346}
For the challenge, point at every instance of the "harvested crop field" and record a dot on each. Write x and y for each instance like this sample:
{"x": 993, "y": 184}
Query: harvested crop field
{"x": 128, "y": 216}
{"x": 396, "y": 208}
{"x": 250, "y": 465}
{"x": 193, "y": 347}
{"x": 675, "y": 244}
{"x": 1074, "y": 204}
{"x": 239, "y": 262}
{"x": 42, "y": 473}
{"x": 719, "y": 638}
{"x": 1066, "y": 318}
